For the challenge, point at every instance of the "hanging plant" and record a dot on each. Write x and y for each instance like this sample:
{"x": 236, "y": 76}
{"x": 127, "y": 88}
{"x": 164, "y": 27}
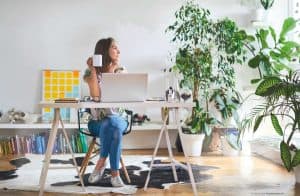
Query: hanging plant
{"x": 267, "y": 3}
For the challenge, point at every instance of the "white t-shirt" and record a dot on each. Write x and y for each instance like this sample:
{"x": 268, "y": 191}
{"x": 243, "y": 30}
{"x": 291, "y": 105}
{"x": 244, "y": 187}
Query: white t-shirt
{"x": 99, "y": 113}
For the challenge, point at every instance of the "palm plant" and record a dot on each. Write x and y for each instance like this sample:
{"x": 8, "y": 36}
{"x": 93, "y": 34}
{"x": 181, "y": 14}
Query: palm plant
{"x": 281, "y": 97}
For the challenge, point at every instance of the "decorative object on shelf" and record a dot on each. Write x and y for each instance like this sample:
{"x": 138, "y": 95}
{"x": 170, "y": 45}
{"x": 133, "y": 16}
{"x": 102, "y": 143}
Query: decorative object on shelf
{"x": 58, "y": 84}
{"x": 67, "y": 100}
{"x": 139, "y": 119}
{"x": 171, "y": 85}
{"x": 13, "y": 116}
{"x": 185, "y": 94}
{"x": 32, "y": 118}
{"x": 172, "y": 95}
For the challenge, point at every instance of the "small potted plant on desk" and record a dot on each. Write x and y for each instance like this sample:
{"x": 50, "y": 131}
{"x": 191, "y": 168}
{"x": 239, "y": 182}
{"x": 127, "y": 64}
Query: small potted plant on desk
{"x": 206, "y": 52}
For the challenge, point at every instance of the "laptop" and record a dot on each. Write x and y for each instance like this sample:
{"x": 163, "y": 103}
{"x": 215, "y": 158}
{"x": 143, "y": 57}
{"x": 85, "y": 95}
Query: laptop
{"x": 124, "y": 87}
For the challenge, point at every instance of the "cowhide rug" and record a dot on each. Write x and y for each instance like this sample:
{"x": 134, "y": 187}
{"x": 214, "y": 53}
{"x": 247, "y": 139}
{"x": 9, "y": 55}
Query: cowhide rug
{"x": 26, "y": 173}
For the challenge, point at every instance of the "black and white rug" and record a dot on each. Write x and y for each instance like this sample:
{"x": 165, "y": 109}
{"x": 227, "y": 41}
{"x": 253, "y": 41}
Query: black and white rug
{"x": 26, "y": 176}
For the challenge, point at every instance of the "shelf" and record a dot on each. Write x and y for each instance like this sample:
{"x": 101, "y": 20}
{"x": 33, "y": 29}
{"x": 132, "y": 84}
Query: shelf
{"x": 36, "y": 126}
{"x": 144, "y": 127}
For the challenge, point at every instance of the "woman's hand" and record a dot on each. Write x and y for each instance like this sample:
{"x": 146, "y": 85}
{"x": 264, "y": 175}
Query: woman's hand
{"x": 89, "y": 63}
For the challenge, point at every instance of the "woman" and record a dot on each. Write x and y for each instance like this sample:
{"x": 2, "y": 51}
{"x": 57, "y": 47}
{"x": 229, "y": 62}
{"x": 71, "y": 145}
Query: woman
{"x": 106, "y": 123}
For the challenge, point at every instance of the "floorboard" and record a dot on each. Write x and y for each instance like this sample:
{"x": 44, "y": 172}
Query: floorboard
{"x": 236, "y": 176}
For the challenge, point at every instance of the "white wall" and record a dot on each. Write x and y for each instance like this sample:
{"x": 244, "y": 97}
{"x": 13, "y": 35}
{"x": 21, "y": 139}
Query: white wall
{"x": 61, "y": 34}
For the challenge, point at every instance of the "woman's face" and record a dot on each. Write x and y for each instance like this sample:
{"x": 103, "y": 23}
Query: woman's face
{"x": 114, "y": 52}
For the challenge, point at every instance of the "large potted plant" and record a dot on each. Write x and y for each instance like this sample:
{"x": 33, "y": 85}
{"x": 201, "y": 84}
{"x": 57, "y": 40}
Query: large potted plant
{"x": 281, "y": 98}
{"x": 205, "y": 52}
{"x": 279, "y": 89}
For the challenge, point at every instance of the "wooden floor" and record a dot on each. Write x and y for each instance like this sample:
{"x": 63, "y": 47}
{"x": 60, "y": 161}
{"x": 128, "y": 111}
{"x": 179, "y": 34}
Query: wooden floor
{"x": 236, "y": 176}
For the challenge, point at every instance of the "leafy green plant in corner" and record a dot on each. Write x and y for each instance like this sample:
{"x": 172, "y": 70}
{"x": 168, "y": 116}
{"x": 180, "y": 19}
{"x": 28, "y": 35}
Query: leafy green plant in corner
{"x": 281, "y": 95}
{"x": 206, "y": 51}
{"x": 274, "y": 52}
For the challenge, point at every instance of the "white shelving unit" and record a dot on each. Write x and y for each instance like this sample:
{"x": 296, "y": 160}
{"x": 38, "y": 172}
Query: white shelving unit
{"x": 142, "y": 136}
{"x": 144, "y": 127}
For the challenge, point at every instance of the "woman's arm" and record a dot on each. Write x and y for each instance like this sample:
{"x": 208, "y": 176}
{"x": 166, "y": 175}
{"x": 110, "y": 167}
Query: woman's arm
{"x": 91, "y": 78}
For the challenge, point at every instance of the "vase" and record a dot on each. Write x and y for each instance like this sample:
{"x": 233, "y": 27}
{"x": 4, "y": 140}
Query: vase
{"x": 192, "y": 143}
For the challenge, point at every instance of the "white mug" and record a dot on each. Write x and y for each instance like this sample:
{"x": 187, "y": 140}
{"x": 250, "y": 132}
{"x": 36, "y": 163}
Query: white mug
{"x": 97, "y": 60}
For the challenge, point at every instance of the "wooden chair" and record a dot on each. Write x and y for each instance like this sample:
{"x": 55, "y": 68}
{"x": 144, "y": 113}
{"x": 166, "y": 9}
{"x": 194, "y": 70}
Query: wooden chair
{"x": 94, "y": 146}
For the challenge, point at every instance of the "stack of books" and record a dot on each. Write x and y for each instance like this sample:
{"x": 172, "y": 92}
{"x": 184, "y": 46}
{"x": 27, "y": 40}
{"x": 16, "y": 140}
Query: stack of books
{"x": 67, "y": 100}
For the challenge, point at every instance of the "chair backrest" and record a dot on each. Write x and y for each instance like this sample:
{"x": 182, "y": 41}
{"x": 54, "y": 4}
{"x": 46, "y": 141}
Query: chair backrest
{"x": 129, "y": 119}
{"x": 80, "y": 112}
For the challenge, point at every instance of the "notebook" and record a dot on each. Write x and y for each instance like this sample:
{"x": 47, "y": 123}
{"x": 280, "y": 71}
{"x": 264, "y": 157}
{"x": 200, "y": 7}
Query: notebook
{"x": 124, "y": 87}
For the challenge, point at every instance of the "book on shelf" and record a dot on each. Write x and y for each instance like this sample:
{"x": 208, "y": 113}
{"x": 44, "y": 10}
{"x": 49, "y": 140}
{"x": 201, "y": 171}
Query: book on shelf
{"x": 37, "y": 144}
{"x": 67, "y": 100}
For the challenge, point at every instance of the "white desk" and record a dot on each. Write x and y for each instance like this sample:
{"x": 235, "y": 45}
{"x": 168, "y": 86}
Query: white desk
{"x": 148, "y": 104}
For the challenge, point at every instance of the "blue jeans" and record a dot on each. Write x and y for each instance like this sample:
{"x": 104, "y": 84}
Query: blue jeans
{"x": 110, "y": 131}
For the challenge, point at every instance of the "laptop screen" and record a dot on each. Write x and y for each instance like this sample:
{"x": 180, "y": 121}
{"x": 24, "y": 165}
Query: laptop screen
{"x": 124, "y": 87}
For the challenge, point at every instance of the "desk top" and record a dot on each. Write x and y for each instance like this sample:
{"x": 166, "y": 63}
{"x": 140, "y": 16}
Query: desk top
{"x": 145, "y": 104}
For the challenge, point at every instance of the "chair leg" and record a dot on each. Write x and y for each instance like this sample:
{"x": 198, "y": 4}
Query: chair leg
{"x": 86, "y": 159}
{"x": 125, "y": 170}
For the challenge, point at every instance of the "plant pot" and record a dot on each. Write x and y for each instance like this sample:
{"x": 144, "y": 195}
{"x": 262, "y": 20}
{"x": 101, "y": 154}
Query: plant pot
{"x": 227, "y": 150}
{"x": 296, "y": 170}
{"x": 230, "y": 142}
{"x": 297, "y": 174}
{"x": 192, "y": 143}
{"x": 212, "y": 143}
{"x": 259, "y": 16}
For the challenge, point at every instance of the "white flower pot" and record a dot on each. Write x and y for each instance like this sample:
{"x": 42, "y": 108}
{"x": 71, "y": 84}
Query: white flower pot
{"x": 259, "y": 17}
{"x": 192, "y": 143}
{"x": 297, "y": 173}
